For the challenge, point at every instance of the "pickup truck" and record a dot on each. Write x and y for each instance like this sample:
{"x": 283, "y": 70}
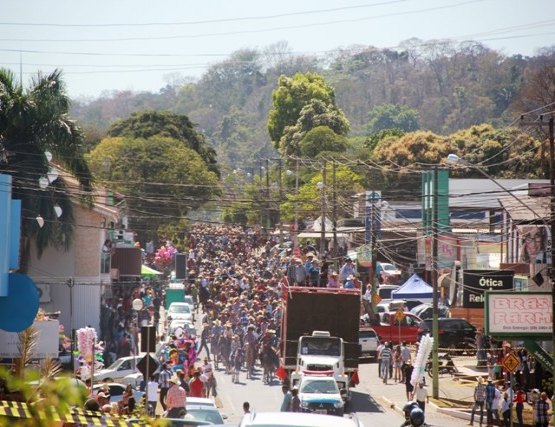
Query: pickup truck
{"x": 395, "y": 330}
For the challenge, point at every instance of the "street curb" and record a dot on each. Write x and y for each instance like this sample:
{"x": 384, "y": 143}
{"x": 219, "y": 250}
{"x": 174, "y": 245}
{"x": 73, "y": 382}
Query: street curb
{"x": 451, "y": 412}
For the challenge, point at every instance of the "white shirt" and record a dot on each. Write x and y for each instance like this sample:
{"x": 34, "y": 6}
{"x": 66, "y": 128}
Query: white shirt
{"x": 421, "y": 394}
{"x": 152, "y": 391}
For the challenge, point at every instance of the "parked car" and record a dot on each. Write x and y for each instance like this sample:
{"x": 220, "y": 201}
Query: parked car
{"x": 368, "y": 340}
{"x": 116, "y": 392}
{"x": 388, "y": 273}
{"x": 455, "y": 335}
{"x": 121, "y": 368}
{"x": 180, "y": 311}
{"x": 297, "y": 419}
{"x": 384, "y": 291}
{"x": 425, "y": 311}
{"x": 204, "y": 413}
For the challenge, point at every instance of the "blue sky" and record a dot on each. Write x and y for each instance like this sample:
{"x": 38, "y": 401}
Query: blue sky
{"x": 108, "y": 45}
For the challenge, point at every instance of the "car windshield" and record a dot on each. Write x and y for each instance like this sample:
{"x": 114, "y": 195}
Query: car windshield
{"x": 321, "y": 346}
{"x": 203, "y": 414}
{"x": 319, "y": 386}
{"x": 389, "y": 267}
{"x": 181, "y": 308}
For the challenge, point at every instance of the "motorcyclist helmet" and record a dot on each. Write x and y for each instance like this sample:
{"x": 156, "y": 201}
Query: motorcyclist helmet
{"x": 417, "y": 417}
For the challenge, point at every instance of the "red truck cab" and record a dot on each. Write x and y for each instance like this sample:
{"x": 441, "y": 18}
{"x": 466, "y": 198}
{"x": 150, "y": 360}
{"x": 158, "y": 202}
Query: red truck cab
{"x": 396, "y": 328}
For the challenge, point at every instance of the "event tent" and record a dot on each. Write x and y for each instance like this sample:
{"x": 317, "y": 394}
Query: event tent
{"x": 149, "y": 272}
{"x": 414, "y": 288}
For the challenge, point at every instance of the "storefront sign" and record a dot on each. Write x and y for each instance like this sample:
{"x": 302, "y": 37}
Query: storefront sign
{"x": 519, "y": 314}
{"x": 476, "y": 282}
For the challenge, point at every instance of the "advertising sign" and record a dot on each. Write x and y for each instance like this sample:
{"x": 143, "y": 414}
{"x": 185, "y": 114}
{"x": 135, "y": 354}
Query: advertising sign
{"x": 48, "y": 341}
{"x": 476, "y": 282}
{"x": 522, "y": 314}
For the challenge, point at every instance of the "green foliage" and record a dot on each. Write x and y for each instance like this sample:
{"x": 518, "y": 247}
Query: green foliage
{"x": 314, "y": 114}
{"x": 373, "y": 140}
{"x": 291, "y": 95}
{"x": 322, "y": 138}
{"x": 160, "y": 177}
{"x": 308, "y": 202}
{"x": 389, "y": 116}
{"x": 33, "y": 121}
{"x": 164, "y": 124}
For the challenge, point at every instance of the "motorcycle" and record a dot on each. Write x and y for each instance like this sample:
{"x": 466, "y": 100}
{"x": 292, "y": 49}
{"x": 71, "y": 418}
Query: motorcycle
{"x": 446, "y": 365}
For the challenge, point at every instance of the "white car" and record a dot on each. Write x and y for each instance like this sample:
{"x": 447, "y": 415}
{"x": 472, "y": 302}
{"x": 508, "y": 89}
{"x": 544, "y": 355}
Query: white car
{"x": 179, "y": 311}
{"x": 368, "y": 340}
{"x": 187, "y": 327}
{"x": 388, "y": 273}
{"x": 121, "y": 368}
{"x": 320, "y": 395}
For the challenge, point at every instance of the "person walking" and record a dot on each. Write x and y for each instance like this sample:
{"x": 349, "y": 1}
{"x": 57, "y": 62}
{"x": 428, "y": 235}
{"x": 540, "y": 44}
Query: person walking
{"x": 407, "y": 371}
{"x": 164, "y": 383}
{"x": 204, "y": 338}
{"x": 176, "y": 399}
{"x": 286, "y": 402}
{"x": 386, "y": 360}
{"x": 405, "y": 355}
{"x": 379, "y": 357}
{"x": 295, "y": 401}
{"x": 541, "y": 408}
{"x": 506, "y": 410}
{"x": 479, "y": 399}
{"x": 152, "y": 396}
{"x": 490, "y": 397}
{"x": 520, "y": 399}
{"x": 422, "y": 396}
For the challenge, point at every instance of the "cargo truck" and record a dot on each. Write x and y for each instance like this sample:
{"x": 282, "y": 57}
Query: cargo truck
{"x": 319, "y": 332}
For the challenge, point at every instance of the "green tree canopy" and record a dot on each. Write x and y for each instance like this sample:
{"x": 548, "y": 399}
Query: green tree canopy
{"x": 320, "y": 139}
{"x": 165, "y": 124}
{"x": 308, "y": 202}
{"x": 33, "y": 121}
{"x": 314, "y": 114}
{"x": 160, "y": 177}
{"x": 389, "y": 116}
{"x": 291, "y": 95}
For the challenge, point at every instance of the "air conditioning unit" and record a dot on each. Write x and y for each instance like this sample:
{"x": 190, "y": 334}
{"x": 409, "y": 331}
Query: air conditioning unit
{"x": 44, "y": 293}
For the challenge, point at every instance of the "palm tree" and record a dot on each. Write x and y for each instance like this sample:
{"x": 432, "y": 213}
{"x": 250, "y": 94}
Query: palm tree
{"x": 33, "y": 121}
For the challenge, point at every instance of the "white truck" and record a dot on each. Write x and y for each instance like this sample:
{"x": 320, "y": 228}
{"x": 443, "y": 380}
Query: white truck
{"x": 322, "y": 354}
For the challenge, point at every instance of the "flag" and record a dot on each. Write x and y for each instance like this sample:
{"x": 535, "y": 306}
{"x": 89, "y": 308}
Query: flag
{"x": 281, "y": 373}
{"x": 354, "y": 378}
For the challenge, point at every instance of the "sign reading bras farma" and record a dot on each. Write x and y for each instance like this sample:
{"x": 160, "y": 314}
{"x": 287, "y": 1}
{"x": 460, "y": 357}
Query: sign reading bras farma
{"x": 476, "y": 282}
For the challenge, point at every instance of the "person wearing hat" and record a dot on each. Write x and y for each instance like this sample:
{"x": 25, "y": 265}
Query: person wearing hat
{"x": 347, "y": 270}
{"x": 490, "y": 397}
{"x": 102, "y": 399}
{"x": 479, "y": 399}
{"x": 349, "y": 284}
{"x": 333, "y": 280}
{"x": 176, "y": 399}
{"x": 164, "y": 382}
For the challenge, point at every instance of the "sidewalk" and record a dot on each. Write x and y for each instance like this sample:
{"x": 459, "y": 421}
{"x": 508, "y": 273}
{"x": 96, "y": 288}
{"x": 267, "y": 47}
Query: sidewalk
{"x": 393, "y": 395}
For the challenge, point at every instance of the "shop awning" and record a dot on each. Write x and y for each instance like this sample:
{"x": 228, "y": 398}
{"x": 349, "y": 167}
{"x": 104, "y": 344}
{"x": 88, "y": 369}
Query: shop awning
{"x": 147, "y": 271}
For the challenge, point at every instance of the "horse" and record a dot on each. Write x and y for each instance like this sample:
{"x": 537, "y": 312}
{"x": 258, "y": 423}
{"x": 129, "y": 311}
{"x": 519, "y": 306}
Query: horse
{"x": 270, "y": 361}
{"x": 215, "y": 348}
{"x": 250, "y": 349}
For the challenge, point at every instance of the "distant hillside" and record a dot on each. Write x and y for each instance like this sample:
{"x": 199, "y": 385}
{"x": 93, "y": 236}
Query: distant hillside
{"x": 451, "y": 85}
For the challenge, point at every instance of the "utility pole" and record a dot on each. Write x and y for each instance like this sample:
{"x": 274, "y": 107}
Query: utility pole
{"x": 280, "y": 201}
{"x": 268, "y": 222}
{"x": 334, "y": 207}
{"x": 435, "y": 323}
{"x": 551, "y": 128}
{"x": 323, "y": 215}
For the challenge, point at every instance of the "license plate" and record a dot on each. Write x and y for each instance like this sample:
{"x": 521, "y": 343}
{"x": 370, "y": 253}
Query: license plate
{"x": 320, "y": 411}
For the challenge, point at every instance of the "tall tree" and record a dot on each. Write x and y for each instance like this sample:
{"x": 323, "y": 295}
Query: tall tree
{"x": 165, "y": 124}
{"x": 160, "y": 177}
{"x": 32, "y": 121}
{"x": 291, "y": 95}
{"x": 389, "y": 116}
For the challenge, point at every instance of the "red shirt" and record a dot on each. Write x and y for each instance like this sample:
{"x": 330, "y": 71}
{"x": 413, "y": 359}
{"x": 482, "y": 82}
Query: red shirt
{"x": 196, "y": 387}
{"x": 520, "y": 397}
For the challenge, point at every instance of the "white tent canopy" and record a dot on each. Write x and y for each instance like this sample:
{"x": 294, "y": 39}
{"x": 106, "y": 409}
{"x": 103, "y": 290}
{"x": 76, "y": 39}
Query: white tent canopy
{"x": 415, "y": 288}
